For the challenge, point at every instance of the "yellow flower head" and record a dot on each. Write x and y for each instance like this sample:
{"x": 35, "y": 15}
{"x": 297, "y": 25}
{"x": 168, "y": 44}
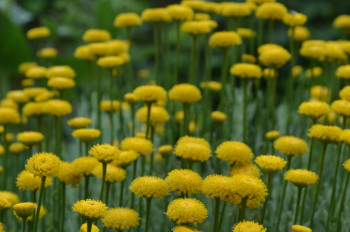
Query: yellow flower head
{"x": 43, "y": 164}
{"x": 104, "y": 153}
{"x": 61, "y": 83}
{"x": 34, "y": 92}
{"x": 8, "y": 116}
{"x": 121, "y": 219}
{"x": 325, "y": 134}
{"x": 79, "y": 122}
{"x": 10, "y": 197}
{"x": 85, "y": 165}
{"x": 99, "y": 49}
{"x": 246, "y": 71}
{"x": 9, "y": 103}
{"x": 18, "y": 96}
{"x": 16, "y": 148}
{"x": 193, "y": 149}
{"x": 271, "y": 11}
{"x": 343, "y": 72}
{"x": 245, "y": 169}
{"x": 67, "y": 175}
{"x": 126, "y": 20}
{"x": 149, "y": 186}
{"x": 270, "y": 163}
{"x": 224, "y": 39}
{"x": 233, "y": 151}
{"x": 33, "y": 109}
{"x": 38, "y": 33}
{"x": 275, "y": 57}
{"x": 300, "y": 228}
{"x": 154, "y": 15}
{"x": 90, "y": 210}
{"x": 248, "y": 226}
{"x": 113, "y": 173}
{"x": 86, "y": 135}
{"x": 211, "y": 85}
{"x": 23, "y": 67}
{"x": 44, "y": 96}
{"x": 321, "y": 93}
{"x": 150, "y": 93}
{"x": 185, "y": 93}
{"x": 313, "y": 109}
{"x": 35, "y": 72}
{"x": 247, "y": 58}
{"x": 297, "y": 70}
{"x": 251, "y": 188}
{"x": 4, "y": 204}
{"x": 28, "y": 181}
{"x": 187, "y": 211}
{"x": 300, "y": 33}
{"x": 84, "y": 53}
{"x": 47, "y": 53}
{"x": 27, "y": 83}
{"x": 184, "y": 181}
{"x": 342, "y": 107}
{"x": 41, "y": 215}
{"x": 107, "y": 105}
{"x": 290, "y": 145}
{"x": 184, "y": 229}
{"x": 125, "y": 158}
{"x": 343, "y": 22}
{"x": 110, "y": 62}
{"x": 94, "y": 228}
{"x": 130, "y": 98}
{"x": 218, "y": 116}
{"x": 245, "y": 33}
{"x": 165, "y": 150}
{"x": 58, "y": 108}
{"x": 301, "y": 177}
{"x": 346, "y": 165}
{"x": 158, "y": 115}
{"x": 345, "y": 93}
{"x": 24, "y": 210}
{"x": 345, "y": 136}
{"x": 30, "y": 137}
{"x": 235, "y": 10}
{"x": 196, "y": 28}
{"x": 272, "y": 135}
{"x": 313, "y": 49}
{"x": 201, "y": 16}
{"x": 314, "y": 72}
{"x": 180, "y": 12}
{"x": 60, "y": 71}
{"x": 219, "y": 186}
{"x": 96, "y": 35}
{"x": 140, "y": 145}
{"x": 294, "y": 19}
{"x": 112, "y": 48}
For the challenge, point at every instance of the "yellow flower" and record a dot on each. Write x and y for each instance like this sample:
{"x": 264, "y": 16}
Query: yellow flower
{"x": 185, "y": 93}
{"x": 270, "y": 163}
{"x": 165, "y": 150}
{"x": 112, "y": 48}
{"x": 61, "y": 83}
{"x": 140, "y": 145}
{"x": 33, "y": 109}
{"x": 245, "y": 169}
{"x": 121, "y": 219}
{"x": 83, "y": 52}
{"x": 321, "y": 93}
{"x": 4, "y": 204}
{"x": 28, "y": 181}
{"x": 154, "y": 15}
{"x": 236, "y": 10}
{"x": 187, "y": 211}
{"x": 245, "y": 33}
{"x": 300, "y": 33}
{"x": 195, "y": 5}
{"x": 290, "y": 146}
{"x": 250, "y": 188}
{"x": 96, "y": 35}
{"x": 158, "y": 115}
{"x": 314, "y": 72}
{"x": 326, "y": 134}
{"x": 104, "y": 153}
{"x": 210, "y": 7}
{"x": 346, "y": 165}
{"x": 219, "y": 186}
{"x": 94, "y": 228}
{"x": 43, "y": 164}
{"x": 342, "y": 107}
{"x": 200, "y": 17}
{"x": 10, "y": 197}
{"x": 343, "y": 72}
{"x": 35, "y": 72}
{"x": 184, "y": 229}
{"x": 301, "y": 177}
{"x": 60, "y": 71}
{"x": 192, "y": 150}
{"x": 125, "y": 20}
{"x": 184, "y": 181}
{"x": 84, "y": 165}
{"x": 150, "y": 93}
{"x": 196, "y": 28}
{"x": 247, "y": 58}
{"x": 113, "y": 173}
{"x": 300, "y": 228}
{"x": 248, "y": 226}
{"x": 345, "y": 93}
{"x": 224, "y": 39}
{"x": 8, "y": 116}
{"x": 313, "y": 49}
{"x": 313, "y": 109}
{"x": 294, "y": 19}
{"x": 24, "y": 210}
{"x": 271, "y": 10}
{"x": 334, "y": 52}
{"x": 246, "y": 71}
{"x": 44, "y": 96}
{"x": 58, "y": 108}
{"x": 110, "y": 62}
{"x": 47, "y": 53}
{"x": 130, "y": 98}
{"x": 38, "y": 33}
{"x": 30, "y": 137}
{"x": 125, "y": 158}
{"x": 86, "y": 135}
{"x": 275, "y": 57}
{"x": 41, "y": 215}
{"x": 90, "y": 210}
{"x": 27, "y": 83}
{"x": 18, "y": 96}
{"x": 343, "y": 22}
{"x": 272, "y": 135}
{"x": 16, "y": 148}
{"x": 100, "y": 49}
{"x": 33, "y": 92}
{"x": 149, "y": 186}
{"x": 218, "y": 116}
{"x": 211, "y": 85}
{"x": 180, "y": 12}
{"x": 345, "y": 136}
{"x": 79, "y": 122}
{"x": 106, "y": 105}
{"x": 23, "y": 67}
{"x": 233, "y": 152}
{"x": 67, "y": 175}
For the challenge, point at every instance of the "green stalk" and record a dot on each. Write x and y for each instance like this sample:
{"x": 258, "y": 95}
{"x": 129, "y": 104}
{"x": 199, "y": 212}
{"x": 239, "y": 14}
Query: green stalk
{"x": 192, "y": 77}
{"x": 86, "y": 149}
{"x": 251, "y": 40}
{"x": 186, "y": 119}
{"x": 130, "y": 68}
{"x": 260, "y": 32}
{"x": 5, "y": 157}
{"x": 245, "y": 99}
{"x": 148, "y": 209}
{"x": 63, "y": 202}
{"x": 242, "y": 209}
{"x": 89, "y": 71}
{"x": 24, "y": 224}
{"x": 207, "y": 61}
{"x": 342, "y": 202}
{"x": 121, "y": 193}
{"x": 133, "y": 177}
{"x": 41, "y": 195}
{"x": 80, "y": 149}
{"x": 99, "y": 98}
{"x": 111, "y": 86}
{"x": 324, "y": 148}
{"x": 224, "y": 80}
{"x": 152, "y": 153}
{"x": 87, "y": 178}
{"x": 143, "y": 159}
{"x": 156, "y": 53}
{"x": 271, "y": 22}
{"x": 269, "y": 188}
{"x": 177, "y": 53}
{"x": 104, "y": 170}
{"x": 217, "y": 209}
{"x": 38, "y": 127}
{"x": 190, "y": 164}
{"x": 133, "y": 120}
{"x": 89, "y": 226}
{"x": 300, "y": 189}
{"x": 108, "y": 186}
{"x": 149, "y": 106}
{"x": 291, "y": 80}
{"x": 222, "y": 215}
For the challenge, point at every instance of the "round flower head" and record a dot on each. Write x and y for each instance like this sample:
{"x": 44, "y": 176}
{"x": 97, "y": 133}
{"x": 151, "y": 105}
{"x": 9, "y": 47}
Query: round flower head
{"x": 343, "y": 22}
{"x": 83, "y": 52}
{"x": 110, "y": 62}
{"x": 233, "y": 151}
{"x": 236, "y": 10}
{"x": 33, "y": 109}
{"x": 246, "y": 33}
{"x": 272, "y": 135}
{"x": 104, "y": 153}
{"x": 4, "y": 204}
{"x": 94, "y": 228}
{"x": 149, "y": 186}
{"x": 314, "y": 72}
{"x": 150, "y": 93}
{"x": 58, "y": 108}
{"x": 79, "y": 122}
{"x": 28, "y": 181}
{"x": 85, "y": 165}
{"x": 18, "y": 96}
{"x": 294, "y": 19}
{"x": 121, "y": 219}
{"x": 342, "y": 107}
{"x": 113, "y": 173}
{"x": 187, "y": 211}
{"x": 86, "y": 135}
{"x": 245, "y": 169}
{"x": 275, "y": 57}
{"x": 154, "y": 15}
{"x": 218, "y": 116}
{"x": 9, "y": 103}
{"x": 250, "y": 188}
{"x": 96, "y": 35}
{"x": 325, "y": 134}
{"x": 44, "y": 96}
{"x": 107, "y": 106}
{"x": 33, "y": 92}
{"x": 246, "y": 71}
{"x": 320, "y": 93}
{"x": 23, "y": 67}
{"x": 185, "y": 93}
{"x": 8, "y": 116}
{"x": 314, "y": 109}
{"x": 211, "y": 85}
{"x": 38, "y": 33}
{"x": 218, "y": 186}
{"x": 67, "y": 175}
{"x": 271, "y": 10}
{"x": 290, "y": 145}
{"x": 224, "y": 39}
{"x": 201, "y": 16}
{"x": 10, "y": 197}
{"x": 43, "y": 164}
{"x": 270, "y": 163}
{"x": 140, "y": 145}
{"x": 125, "y": 158}
{"x": 165, "y": 150}
{"x": 248, "y": 226}
{"x": 247, "y": 58}
{"x": 297, "y": 70}
{"x": 47, "y": 53}
{"x": 99, "y": 49}
{"x": 126, "y": 20}
{"x": 2, "y": 150}
{"x": 41, "y": 215}
{"x": 130, "y": 98}
{"x": 196, "y": 28}
{"x": 60, "y": 71}
{"x": 184, "y": 181}
{"x": 90, "y": 210}
{"x": 158, "y": 115}
{"x": 180, "y": 12}
{"x": 36, "y": 72}
{"x": 300, "y": 33}
{"x": 24, "y": 210}
{"x": 192, "y": 149}
{"x": 30, "y": 138}
{"x": 300, "y": 228}
{"x": 345, "y": 93}
{"x": 301, "y": 177}
{"x": 184, "y": 229}
{"x": 61, "y": 83}
{"x": 346, "y": 165}
{"x": 16, "y": 148}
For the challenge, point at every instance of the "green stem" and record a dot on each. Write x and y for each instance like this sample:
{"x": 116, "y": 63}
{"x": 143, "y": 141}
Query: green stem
{"x": 143, "y": 159}
{"x": 24, "y": 224}
{"x": 192, "y": 75}
{"x": 130, "y": 66}
{"x": 217, "y": 209}
{"x": 87, "y": 178}
{"x": 38, "y": 125}
{"x": 63, "y": 210}
{"x": 89, "y": 226}
{"x": 104, "y": 170}
{"x": 111, "y": 86}
{"x": 245, "y": 99}
{"x": 271, "y": 22}
{"x": 99, "y": 98}
{"x": 41, "y": 195}
{"x": 222, "y": 215}
{"x": 156, "y": 30}
{"x": 224, "y": 79}
{"x": 269, "y": 188}
{"x": 133, "y": 120}
{"x": 86, "y": 149}
{"x": 133, "y": 177}
{"x": 300, "y": 189}
{"x": 80, "y": 149}
{"x": 5, "y": 157}
{"x": 177, "y": 53}
{"x": 149, "y": 106}
{"x": 186, "y": 118}
{"x": 91, "y": 86}
{"x": 148, "y": 209}
{"x": 108, "y": 186}
{"x": 260, "y": 32}
{"x": 121, "y": 193}
{"x": 342, "y": 202}
{"x": 190, "y": 164}
{"x": 152, "y": 153}
{"x": 291, "y": 80}
{"x": 242, "y": 209}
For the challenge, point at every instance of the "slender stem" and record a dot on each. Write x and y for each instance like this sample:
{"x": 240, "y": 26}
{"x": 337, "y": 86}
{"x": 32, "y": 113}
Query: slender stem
{"x": 104, "y": 170}
{"x": 38, "y": 124}
{"x": 99, "y": 98}
{"x": 87, "y": 178}
{"x": 63, "y": 210}
{"x": 291, "y": 79}
{"x": 269, "y": 188}
{"x": 222, "y": 216}
{"x": 152, "y": 153}
{"x": 149, "y": 106}
{"x": 156, "y": 30}
{"x": 300, "y": 189}
{"x": 177, "y": 54}
{"x": 24, "y": 224}
{"x": 260, "y": 32}
{"x": 148, "y": 209}
{"x": 91, "y": 86}
{"x": 186, "y": 118}
{"x": 342, "y": 202}
{"x": 130, "y": 68}
{"x": 133, "y": 120}
{"x": 89, "y": 226}
{"x": 242, "y": 209}
{"x": 192, "y": 77}
{"x": 251, "y": 40}
{"x": 121, "y": 193}
{"x": 108, "y": 186}
{"x": 190, "y": 164}
{"x": 133, "y": 177}
{"x": 41, "y": 195}
{"x": 271, "y": 22}
{"x": 86, "y": 149}
{"x": 245, "y": 99}
{"x": 80, "y": 149}
{"x": 224, "y": 79}
{"x": 5, "y": 157}
{"x": 111, "y": 86}
{"x": 217, "y": 209}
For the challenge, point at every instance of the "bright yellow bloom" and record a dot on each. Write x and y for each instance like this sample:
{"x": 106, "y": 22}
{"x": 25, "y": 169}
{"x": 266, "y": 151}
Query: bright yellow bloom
{"x": 245, "y": 33}
{"x": 294, "y": 19}
{"x": 300, "y": 228}
{"x": 24, "y": 210}
{"x": 150, "y": 93}
{"x": 331, "y": 117}
{"x": 246, "y": 71}
{"x": 269, "y": 46}
{"x": 85, "y": 165}
{"x": 218, "y": 116}
{"x": 259, "y": 2}
{"x": 233, "y": 152}
{"x": 44, "y": 96}
{"x": 86, "y": 135}
{"x": 61, "y": 83}
{"x": 270, "y": 163}
{"x": 129, "y": 19}
{"x": 38, "y": 33}
{"x": 185, "y": 93}
{"x": 313, "y": 109}
{"x": 184, "y": 229}
{"x": 187, "y": 211}
{"x": 96, "y": 35}
{"x": 107, "y": 105}
{"x": 30, "y": 137}
{"x": 94, "y": 228}
{"x": 184, "y": 181}
{"x": 67, "y": 175}
{"x": 180, "y": 12}
{"x": 60, "y": 71}
{"x": 9, "y": 103}
{"x": 10, "y": 197}
{"x": 4, "y": 204}
{"x": 343, "y": 72}
{"x": 272, "y": 135}
{"x": 110, "y": 62}
{"x": 196, "y": 28}
{"x": 192, "y": 150}
{"x": 113, "y": 173}
{"x": 33, "y": 109}
{"x": 99, "y": 49}
{"x": 90, "y": 210}
{"x": 125, "y": 158}
{"x": 165, "y": 150}
{"x": 218, "y": 186}
{"x": 342, "y": 107}
{"x": 301, "y": 177}
{"x": 248, "y": 226}
{"x": 201, "y": 16}
{"x": 271, "y": 10}
{"x": 28, "y": 181}
{"x": 158, "y": 115}
{"x": 23, "y": 67}
{"x": 41, "y": 214}
{"x": 313, "y": 49}
{"x": 83, "y": 52}
{"x": 290, "y": 146}
{"x": 79, "y": 122}
{"x": 343, "y": 22}
{"x": 211, "y": 85}
{"x": 321, "y": 93}
{"x": 333, "y": 52}
{"x": 140, "y": 145}
{"x": 275, "y": 57}
{"x": 149, "y": 186}
{"x": 326, "y": 134}
{"x": 47, "y": 53}
{"x": 154, "y": 15}
{"x": 300, "y": 33}
{"x": 346, "y": 165}
{"x": 16, "y": 148}
{"x": 36, "y": 72}
{"x": 314, "y": 72}
{"x": 33, "y": 92}
{"x": 345, "y": 136}
{"x": 236, "y": 10}
{"x": 104, "y": 153}
{"x": 27, "y": 83}
{"x": 112, "y": 48}
{"x": 121, "y": 219}
{"x": 224, "y": 39}
{"x": 18, "y": 96}
{"x": 247, "y": 58}
{"x": 245, "y": 169}
{"x": 58, "y": 108}
{"x": 43, "y": 164}
{"x": 345, "y": 93}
